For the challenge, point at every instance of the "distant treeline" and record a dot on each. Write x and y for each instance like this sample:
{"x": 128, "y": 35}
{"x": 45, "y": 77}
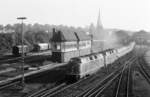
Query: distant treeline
{"x": 38, "y": 33}
{"x": 5, "y": 41}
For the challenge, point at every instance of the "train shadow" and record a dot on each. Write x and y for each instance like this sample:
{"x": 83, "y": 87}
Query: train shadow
{"x": 39, "y": 58}
{"x": 50, "y": 76}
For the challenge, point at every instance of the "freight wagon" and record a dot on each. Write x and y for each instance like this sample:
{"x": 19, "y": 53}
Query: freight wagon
{"x": 41, "y": 47}
{"x": 17, "y": 50}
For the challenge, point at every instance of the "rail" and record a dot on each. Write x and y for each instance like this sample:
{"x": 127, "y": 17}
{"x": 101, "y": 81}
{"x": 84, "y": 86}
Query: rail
{"x": 98, "y": 89}
{"x": 88, "y": 89}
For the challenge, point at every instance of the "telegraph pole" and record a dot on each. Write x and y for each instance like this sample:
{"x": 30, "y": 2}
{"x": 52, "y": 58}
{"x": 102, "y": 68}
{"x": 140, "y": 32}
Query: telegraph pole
{"x": 91, "y": 43}
{"x": 104, "y": 56}
{"x": 22, "y": 55}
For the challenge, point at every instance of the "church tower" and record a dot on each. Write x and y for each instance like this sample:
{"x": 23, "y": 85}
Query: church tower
{"x": 99, "y": 24}
{"x": 99, "y": 33}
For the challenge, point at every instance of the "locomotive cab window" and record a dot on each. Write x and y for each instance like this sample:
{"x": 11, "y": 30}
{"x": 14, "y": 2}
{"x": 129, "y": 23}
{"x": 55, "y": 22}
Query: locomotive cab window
{"x": 83, "y": 60}
{"x": 77, "y": 60}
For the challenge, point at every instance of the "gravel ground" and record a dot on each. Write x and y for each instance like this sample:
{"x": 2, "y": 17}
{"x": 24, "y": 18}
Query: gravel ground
{"x": 140, "y": 87}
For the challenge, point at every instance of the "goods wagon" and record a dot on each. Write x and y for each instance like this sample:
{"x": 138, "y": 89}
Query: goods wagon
{"x": 41, "y": 47}
{"x": 17, "y": 50}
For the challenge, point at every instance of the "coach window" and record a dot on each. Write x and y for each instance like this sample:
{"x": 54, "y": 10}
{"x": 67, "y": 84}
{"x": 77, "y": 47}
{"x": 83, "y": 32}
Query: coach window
{"x": 95, "y": 57}
{"x": 87, "y": 59}
{"x": 91, "y": 58}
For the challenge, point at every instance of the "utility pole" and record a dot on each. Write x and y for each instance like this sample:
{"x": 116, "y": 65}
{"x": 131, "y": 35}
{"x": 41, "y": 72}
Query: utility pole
{"x": 22, "y": 55}
{"x": 105, "y": 65}
{"x": 104, "y": 56}
{"x": 91, "y": 43}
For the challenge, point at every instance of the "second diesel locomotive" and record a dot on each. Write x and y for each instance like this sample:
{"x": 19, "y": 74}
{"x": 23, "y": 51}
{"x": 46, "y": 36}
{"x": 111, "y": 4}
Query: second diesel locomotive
{"x": 80, "y": 67}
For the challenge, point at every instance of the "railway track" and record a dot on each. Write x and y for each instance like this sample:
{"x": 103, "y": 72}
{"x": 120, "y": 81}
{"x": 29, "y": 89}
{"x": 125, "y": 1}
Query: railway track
{"x": 44, "y": 91}
{"x": 124, "y": 87}
{"x": 86, "y": 86}
{"x": 142, "y": 69}
{"x": 3, "y": 57}
{"x": 59, "y": 88}
{"x": 47, "y": 92}
{"x": 28, "y": 58}
{"x": 10, "y": 59}
{"x": 9, "y": 84}
{"x": 100, "y": 90}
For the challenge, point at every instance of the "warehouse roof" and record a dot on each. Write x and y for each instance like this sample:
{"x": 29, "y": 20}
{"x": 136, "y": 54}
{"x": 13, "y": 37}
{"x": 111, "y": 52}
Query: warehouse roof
{"x": 82, "y": 36}
{"x": 62, "y": 36}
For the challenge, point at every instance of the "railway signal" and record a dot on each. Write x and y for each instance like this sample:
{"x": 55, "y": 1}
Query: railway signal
{"x": 22, "y": 38}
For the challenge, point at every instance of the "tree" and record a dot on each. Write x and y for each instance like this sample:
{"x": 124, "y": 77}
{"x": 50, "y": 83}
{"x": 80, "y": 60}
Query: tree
{"x": 1, "y": 27}
{"x": 122, "y": 37}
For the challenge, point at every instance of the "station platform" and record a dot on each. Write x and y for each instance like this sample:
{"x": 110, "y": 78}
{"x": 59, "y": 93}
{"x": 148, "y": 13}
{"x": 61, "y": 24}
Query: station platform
{"x": 32, "y": 71}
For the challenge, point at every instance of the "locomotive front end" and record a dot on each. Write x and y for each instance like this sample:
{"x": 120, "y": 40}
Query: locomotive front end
{"x": 73, "y": 71}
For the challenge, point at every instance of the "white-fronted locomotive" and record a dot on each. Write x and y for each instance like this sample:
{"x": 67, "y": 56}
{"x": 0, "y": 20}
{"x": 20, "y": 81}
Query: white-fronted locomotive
{"x": 82, "y": 66}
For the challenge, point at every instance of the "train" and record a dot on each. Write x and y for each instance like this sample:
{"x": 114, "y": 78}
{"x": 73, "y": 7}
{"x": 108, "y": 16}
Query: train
{"x": 80, "y": 67}
{"x": 83, "y": 55}
{"x": 17, "y": 50}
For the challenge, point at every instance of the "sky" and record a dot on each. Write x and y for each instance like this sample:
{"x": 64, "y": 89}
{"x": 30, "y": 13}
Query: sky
{"x": 121, "y": 14}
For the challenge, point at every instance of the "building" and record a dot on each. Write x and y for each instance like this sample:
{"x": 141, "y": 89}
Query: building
{"x": 66, "y": 45}
{"x": 84, "y": 43}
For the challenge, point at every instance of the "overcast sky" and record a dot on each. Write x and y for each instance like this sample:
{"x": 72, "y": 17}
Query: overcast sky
{"x": 123, "y": 14}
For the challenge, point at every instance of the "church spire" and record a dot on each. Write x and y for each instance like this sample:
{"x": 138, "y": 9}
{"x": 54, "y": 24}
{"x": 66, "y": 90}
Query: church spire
{"x": 99, "y": 24}
{"x": 99, "y": 33}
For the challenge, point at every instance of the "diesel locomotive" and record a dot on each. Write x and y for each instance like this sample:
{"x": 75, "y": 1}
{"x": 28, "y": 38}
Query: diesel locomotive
{"x": 83, "y": 66}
